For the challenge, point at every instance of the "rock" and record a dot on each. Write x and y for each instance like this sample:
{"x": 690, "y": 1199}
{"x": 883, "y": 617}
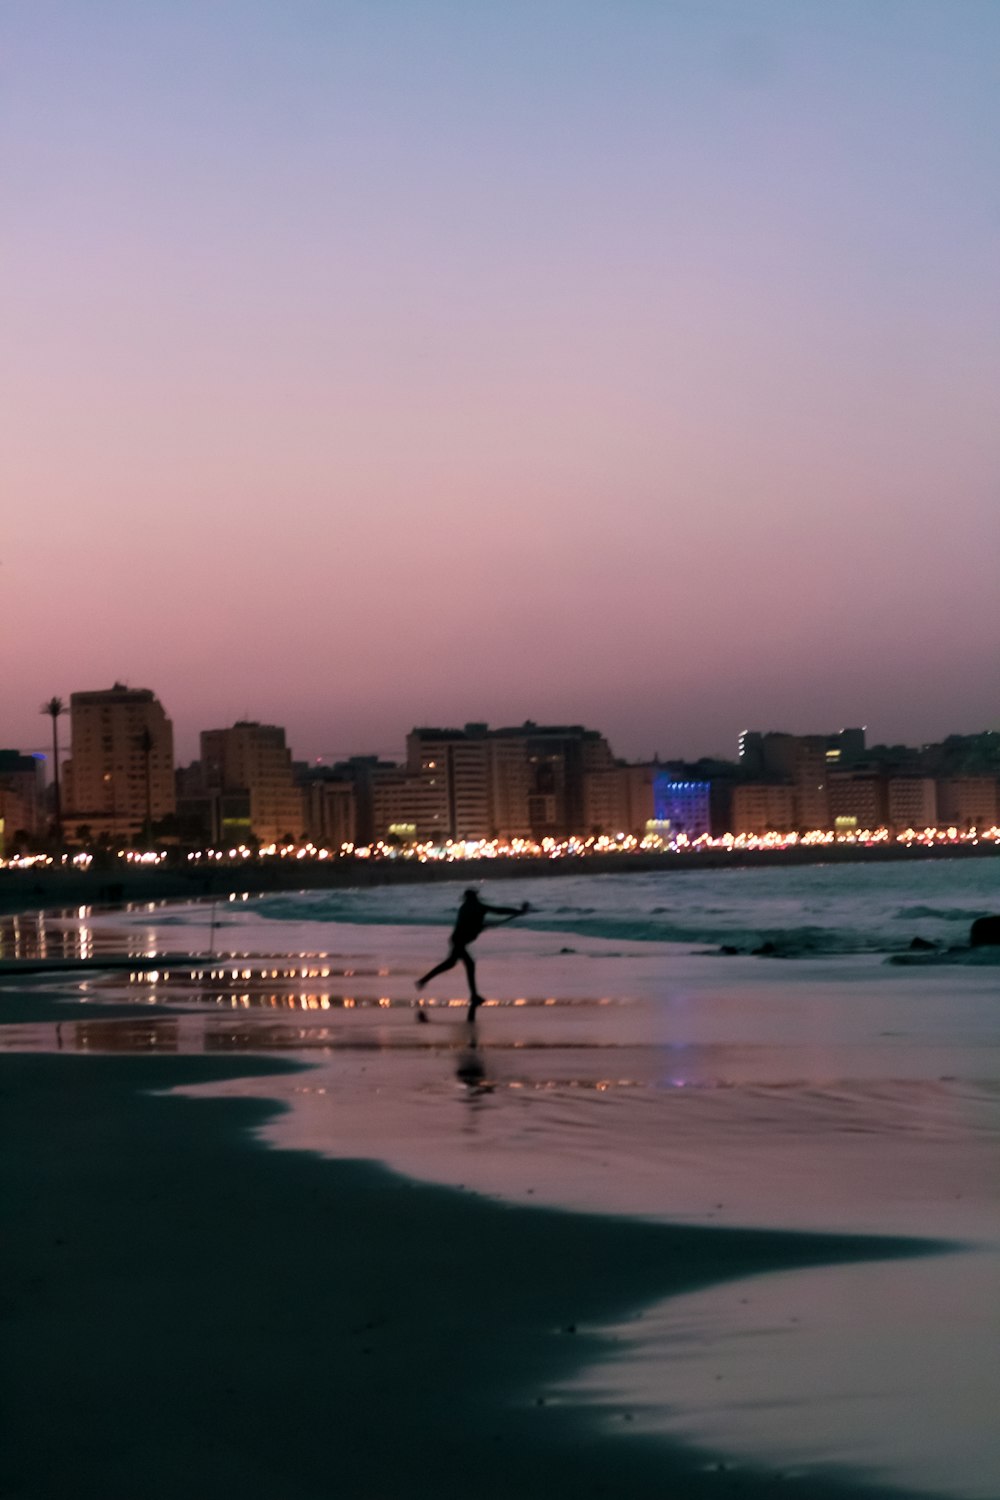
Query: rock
{"x": 985, "y": 932}
{"x": 921, "y": 945}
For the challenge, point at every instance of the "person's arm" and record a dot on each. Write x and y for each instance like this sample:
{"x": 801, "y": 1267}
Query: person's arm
{"x": 506, "y": 911}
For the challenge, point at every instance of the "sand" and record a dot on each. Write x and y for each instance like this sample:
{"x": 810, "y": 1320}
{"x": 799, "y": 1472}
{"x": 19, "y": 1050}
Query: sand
{"x": 212, "y": 1280}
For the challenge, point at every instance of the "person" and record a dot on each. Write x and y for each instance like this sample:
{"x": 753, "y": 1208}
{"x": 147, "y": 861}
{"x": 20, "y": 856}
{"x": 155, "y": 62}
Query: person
{"x": 469, "y": 923}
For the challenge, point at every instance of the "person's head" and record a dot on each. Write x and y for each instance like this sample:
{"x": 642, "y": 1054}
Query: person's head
{"x": 471, "y": 894}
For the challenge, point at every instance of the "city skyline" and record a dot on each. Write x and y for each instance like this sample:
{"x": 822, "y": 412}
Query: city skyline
{"x": 192, "y": 736}
{"x": 531, "y": 782}
{"x": 591, "y": 363}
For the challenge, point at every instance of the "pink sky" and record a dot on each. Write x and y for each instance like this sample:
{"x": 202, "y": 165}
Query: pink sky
{"x": 639, "y": 366}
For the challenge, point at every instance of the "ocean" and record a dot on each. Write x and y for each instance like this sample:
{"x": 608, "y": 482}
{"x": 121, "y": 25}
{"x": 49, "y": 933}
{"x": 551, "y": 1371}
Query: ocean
{"x": 815, "y": 908}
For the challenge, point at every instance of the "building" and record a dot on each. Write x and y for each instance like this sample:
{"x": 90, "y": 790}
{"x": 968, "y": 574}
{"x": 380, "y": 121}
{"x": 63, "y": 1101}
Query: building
{"x": 410, "y": 807}
{"x": 510, "y": 785}
{"x": 481, "y": 783}
{"x": 760, "y": 807}
{"x": 362, "y": 773}
{"x": 857, "y": 800}
{"x": 330, "y": 808}
{"x": 120, "y": 775}
{"x": 458, "y": 765}
{"x": 559, "y": 759}
{"x": 683, "y": 805}
{"x": 249, "y": 768}
{"x": 911, "y": 802}
{"x": 966, "y": 802}
{"x": 802, "y": 761}
{"x": 22, "y": 813}
{"x": 619, "y": 799}
{"x": 775, "y": 753}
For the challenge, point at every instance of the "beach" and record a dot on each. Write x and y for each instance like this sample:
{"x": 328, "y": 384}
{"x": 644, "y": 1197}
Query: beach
{"x": 667, "y": 1221}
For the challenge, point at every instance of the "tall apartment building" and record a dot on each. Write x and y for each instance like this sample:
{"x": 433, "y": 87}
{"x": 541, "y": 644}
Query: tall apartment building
{"x": 911, "y": 802}
{"x": 363, "y": 773}
{"x": 476, "y": 783}
{"x": 774, "y": 753}
{"x": 857, "y": 799}
{"x": 803, "y": 761}
{"x": 250, "y": 767}
{"x": 685, "y": 805}
{"x": 330, "y": 808}
{"x": 619, "y": 800}
{"x": 966, "y": 802}
{"x": 458, "y": 762}
{"x": 410, "y": 806}
{"x": 559, "y": 757}
{"x": 762, "y": 807}
{"x": 21, "y": 799}
{"x": 121, "y": 766}
{"x": 511, "y": 785}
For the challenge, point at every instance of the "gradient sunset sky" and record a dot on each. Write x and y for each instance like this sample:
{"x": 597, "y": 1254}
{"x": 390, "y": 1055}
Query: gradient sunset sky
{"x": 369, "y": 363}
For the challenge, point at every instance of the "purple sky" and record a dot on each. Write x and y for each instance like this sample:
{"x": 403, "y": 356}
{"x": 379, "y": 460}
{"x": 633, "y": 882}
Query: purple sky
{"x": 366, "y": 365}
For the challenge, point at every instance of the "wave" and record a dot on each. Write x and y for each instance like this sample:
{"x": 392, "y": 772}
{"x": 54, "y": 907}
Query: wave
{"x": 973, "y": 958}
{"x": 787, "y": 913}
{"x": 656, "y": 926}
{"x": 938, "y": 914}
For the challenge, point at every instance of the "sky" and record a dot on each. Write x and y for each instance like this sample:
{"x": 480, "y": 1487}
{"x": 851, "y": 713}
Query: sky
{"x": 366, "y": 364}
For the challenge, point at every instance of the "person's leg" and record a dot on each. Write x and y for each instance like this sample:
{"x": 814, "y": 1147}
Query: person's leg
{"x": 470, "y": 969}
{"x": 441, "y": 968}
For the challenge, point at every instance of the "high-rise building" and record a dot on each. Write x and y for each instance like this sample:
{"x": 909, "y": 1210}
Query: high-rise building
{"x": 410, "y": 806}
{"x": 330, "y": 807}
{"x": 683, "y": 805}
{"x": 363, "y": 773}
{"x": 21, "y": 799}
{"x": 459, "y": 763}
{"x": 481, "y": 783}
{"x": 120, "y": 774}
{"x": 250, "y": 768}
{"x": 559, "y": 758}
{"x": 802, "y": 761}
{"x": 762, "y": 807}
{"x": 857, "y": 800}
{"x": 619, "y": 800}
{"x": 966, "y": 802}
{"x": 911, "y": 802}
{"x": 511, "y": 784}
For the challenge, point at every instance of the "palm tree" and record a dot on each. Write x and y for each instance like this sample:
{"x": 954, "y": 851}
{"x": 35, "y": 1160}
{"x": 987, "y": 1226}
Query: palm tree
{"x": 55, "y": 707}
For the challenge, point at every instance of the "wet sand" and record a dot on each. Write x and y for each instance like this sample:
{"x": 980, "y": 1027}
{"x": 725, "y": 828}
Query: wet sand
{"x": 186, "y": 1311}
{"x": 182, "y": 1299}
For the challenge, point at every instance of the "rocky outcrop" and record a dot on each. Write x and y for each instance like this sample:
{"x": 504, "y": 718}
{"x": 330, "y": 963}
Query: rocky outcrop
{"x": 985, "y": 932}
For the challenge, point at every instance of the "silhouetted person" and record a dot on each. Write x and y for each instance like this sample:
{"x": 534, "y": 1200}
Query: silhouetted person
{"x": 469, "y": 923}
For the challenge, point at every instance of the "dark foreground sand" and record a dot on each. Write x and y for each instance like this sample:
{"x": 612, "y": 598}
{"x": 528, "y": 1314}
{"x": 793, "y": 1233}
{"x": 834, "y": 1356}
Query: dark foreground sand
{"x": 186, "y": 1312}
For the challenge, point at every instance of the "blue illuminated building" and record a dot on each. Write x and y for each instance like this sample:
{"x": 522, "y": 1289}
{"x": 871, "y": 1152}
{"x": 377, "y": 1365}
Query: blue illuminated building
{"x": 682, "y": 804}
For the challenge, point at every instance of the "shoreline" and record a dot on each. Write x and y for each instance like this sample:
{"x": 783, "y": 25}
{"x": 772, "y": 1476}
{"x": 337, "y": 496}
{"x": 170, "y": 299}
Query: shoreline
{"x": 23, "y": 891}
{"x": 192, "y": 1302}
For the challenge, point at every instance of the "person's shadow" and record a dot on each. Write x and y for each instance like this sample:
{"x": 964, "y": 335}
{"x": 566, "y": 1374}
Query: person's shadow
{"x": 471, "y": 1072}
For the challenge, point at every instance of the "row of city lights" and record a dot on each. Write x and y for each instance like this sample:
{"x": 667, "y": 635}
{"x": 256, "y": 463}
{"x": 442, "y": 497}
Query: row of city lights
{"x": 548, "y": 848}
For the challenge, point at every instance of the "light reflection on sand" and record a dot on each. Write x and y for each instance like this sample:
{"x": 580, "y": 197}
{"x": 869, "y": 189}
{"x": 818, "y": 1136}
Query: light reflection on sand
{"x": 890, "y": 1368}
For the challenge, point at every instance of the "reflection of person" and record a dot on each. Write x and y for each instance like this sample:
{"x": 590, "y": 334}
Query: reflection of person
{"x": 469, "y": 923}
{"x": 471, "y": 1071}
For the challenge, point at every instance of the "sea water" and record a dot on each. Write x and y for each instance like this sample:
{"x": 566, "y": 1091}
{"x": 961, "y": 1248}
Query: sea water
{"x": 819, "y": 908}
